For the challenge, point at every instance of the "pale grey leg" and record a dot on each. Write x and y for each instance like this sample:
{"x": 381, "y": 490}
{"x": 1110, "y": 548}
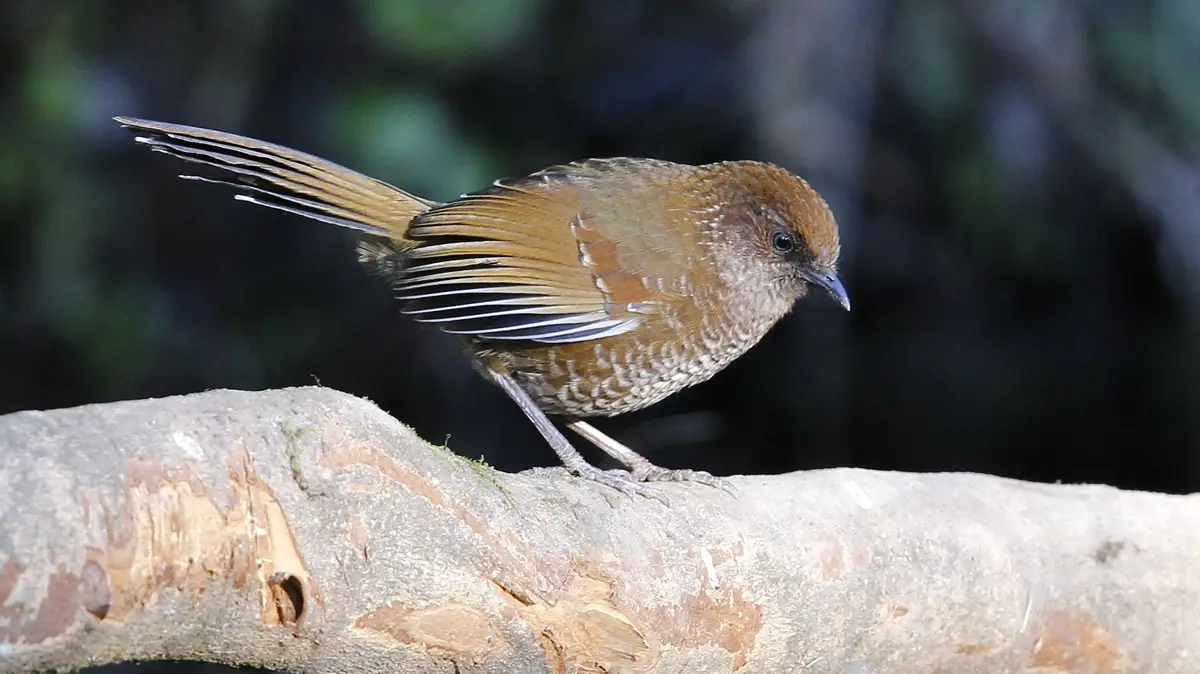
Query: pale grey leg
{"x": 569, "y": 456}
{"x": 641, "y": 467}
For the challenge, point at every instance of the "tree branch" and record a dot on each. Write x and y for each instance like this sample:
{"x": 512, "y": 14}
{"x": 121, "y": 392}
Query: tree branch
{"x": 307, "y": 530}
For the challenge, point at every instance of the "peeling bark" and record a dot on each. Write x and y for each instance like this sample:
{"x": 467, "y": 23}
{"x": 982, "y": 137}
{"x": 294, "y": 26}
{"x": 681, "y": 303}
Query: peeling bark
{"x": 307, "y": 530}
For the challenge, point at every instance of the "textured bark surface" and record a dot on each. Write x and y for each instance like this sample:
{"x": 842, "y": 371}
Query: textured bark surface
{"x": 305, "y": 529}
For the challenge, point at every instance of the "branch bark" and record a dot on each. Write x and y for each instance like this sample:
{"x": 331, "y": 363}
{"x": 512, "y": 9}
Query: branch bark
{"x": 307, "y": 530}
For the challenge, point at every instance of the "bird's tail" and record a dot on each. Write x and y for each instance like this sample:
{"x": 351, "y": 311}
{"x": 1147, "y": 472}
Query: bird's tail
{"x": 278, "y": 177}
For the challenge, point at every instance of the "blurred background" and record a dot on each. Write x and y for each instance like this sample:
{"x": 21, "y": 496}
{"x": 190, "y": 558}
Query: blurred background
{"x": 1018, "y": 186}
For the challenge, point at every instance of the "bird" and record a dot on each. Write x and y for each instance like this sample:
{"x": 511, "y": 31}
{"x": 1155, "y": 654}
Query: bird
{"x": 587, "y": 289}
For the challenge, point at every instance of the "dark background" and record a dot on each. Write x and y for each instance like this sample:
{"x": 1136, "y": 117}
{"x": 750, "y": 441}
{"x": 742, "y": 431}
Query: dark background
{"x": 1016, "y": 182}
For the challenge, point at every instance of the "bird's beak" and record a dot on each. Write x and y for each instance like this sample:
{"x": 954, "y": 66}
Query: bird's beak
{"x": 833, "y": 285}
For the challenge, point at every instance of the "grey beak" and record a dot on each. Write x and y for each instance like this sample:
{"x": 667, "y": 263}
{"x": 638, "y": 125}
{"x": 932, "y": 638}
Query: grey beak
{"x": 833, "y": 285}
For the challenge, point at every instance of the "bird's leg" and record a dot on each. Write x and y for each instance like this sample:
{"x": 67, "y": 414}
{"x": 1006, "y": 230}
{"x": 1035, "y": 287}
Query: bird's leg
{"x": 570, "y": 457}
{"x": 640, "y": 466}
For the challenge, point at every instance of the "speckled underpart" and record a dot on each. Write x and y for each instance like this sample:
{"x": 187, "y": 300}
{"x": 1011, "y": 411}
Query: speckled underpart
{"x": 617, "y": 376}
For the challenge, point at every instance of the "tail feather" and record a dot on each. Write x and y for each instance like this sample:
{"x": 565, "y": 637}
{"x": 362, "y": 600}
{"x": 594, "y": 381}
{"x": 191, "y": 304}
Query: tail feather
{"x": 282, "y": 178}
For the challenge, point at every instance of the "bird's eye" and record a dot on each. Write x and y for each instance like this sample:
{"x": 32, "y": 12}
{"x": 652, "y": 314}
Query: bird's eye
{"x": 782, "y": 242}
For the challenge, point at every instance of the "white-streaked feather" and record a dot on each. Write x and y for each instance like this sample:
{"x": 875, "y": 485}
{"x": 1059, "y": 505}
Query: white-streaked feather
{"x": 569, "y": 319}
{"x": 507, "y": 302}
{"x": 526, "y": 290}
{"x": 540, "y": 311}
{"x": 600, "y": 330}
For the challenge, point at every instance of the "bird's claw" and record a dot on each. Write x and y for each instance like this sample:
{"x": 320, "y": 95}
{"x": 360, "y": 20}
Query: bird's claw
{"x": 622, "y": 481}
{"x": 652, "y": 473}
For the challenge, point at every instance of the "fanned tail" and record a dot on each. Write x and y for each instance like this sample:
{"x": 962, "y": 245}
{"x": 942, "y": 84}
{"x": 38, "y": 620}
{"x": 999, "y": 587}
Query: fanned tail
{"x": 279, "y": 177}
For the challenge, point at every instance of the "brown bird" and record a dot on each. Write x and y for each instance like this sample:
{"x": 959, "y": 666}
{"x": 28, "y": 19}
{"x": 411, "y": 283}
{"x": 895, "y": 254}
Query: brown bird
{"x": 582, "y": 290}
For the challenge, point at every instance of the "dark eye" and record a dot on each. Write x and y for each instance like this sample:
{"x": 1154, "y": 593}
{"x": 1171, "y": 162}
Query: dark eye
{"x": 782, "y": 242}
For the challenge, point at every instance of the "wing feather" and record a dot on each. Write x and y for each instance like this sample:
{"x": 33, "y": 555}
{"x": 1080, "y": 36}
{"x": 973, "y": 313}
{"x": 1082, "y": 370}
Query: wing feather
{"x": 507, "y": 263}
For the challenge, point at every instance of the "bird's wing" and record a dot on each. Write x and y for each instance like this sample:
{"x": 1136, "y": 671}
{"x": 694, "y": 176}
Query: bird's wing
{"x": 523, "y": 260}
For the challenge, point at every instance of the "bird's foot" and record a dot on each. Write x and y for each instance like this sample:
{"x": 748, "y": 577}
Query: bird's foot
{"x": 621, "y": 480}
{"x": 641, "y": 470}
{"x": 648, "y": 472}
